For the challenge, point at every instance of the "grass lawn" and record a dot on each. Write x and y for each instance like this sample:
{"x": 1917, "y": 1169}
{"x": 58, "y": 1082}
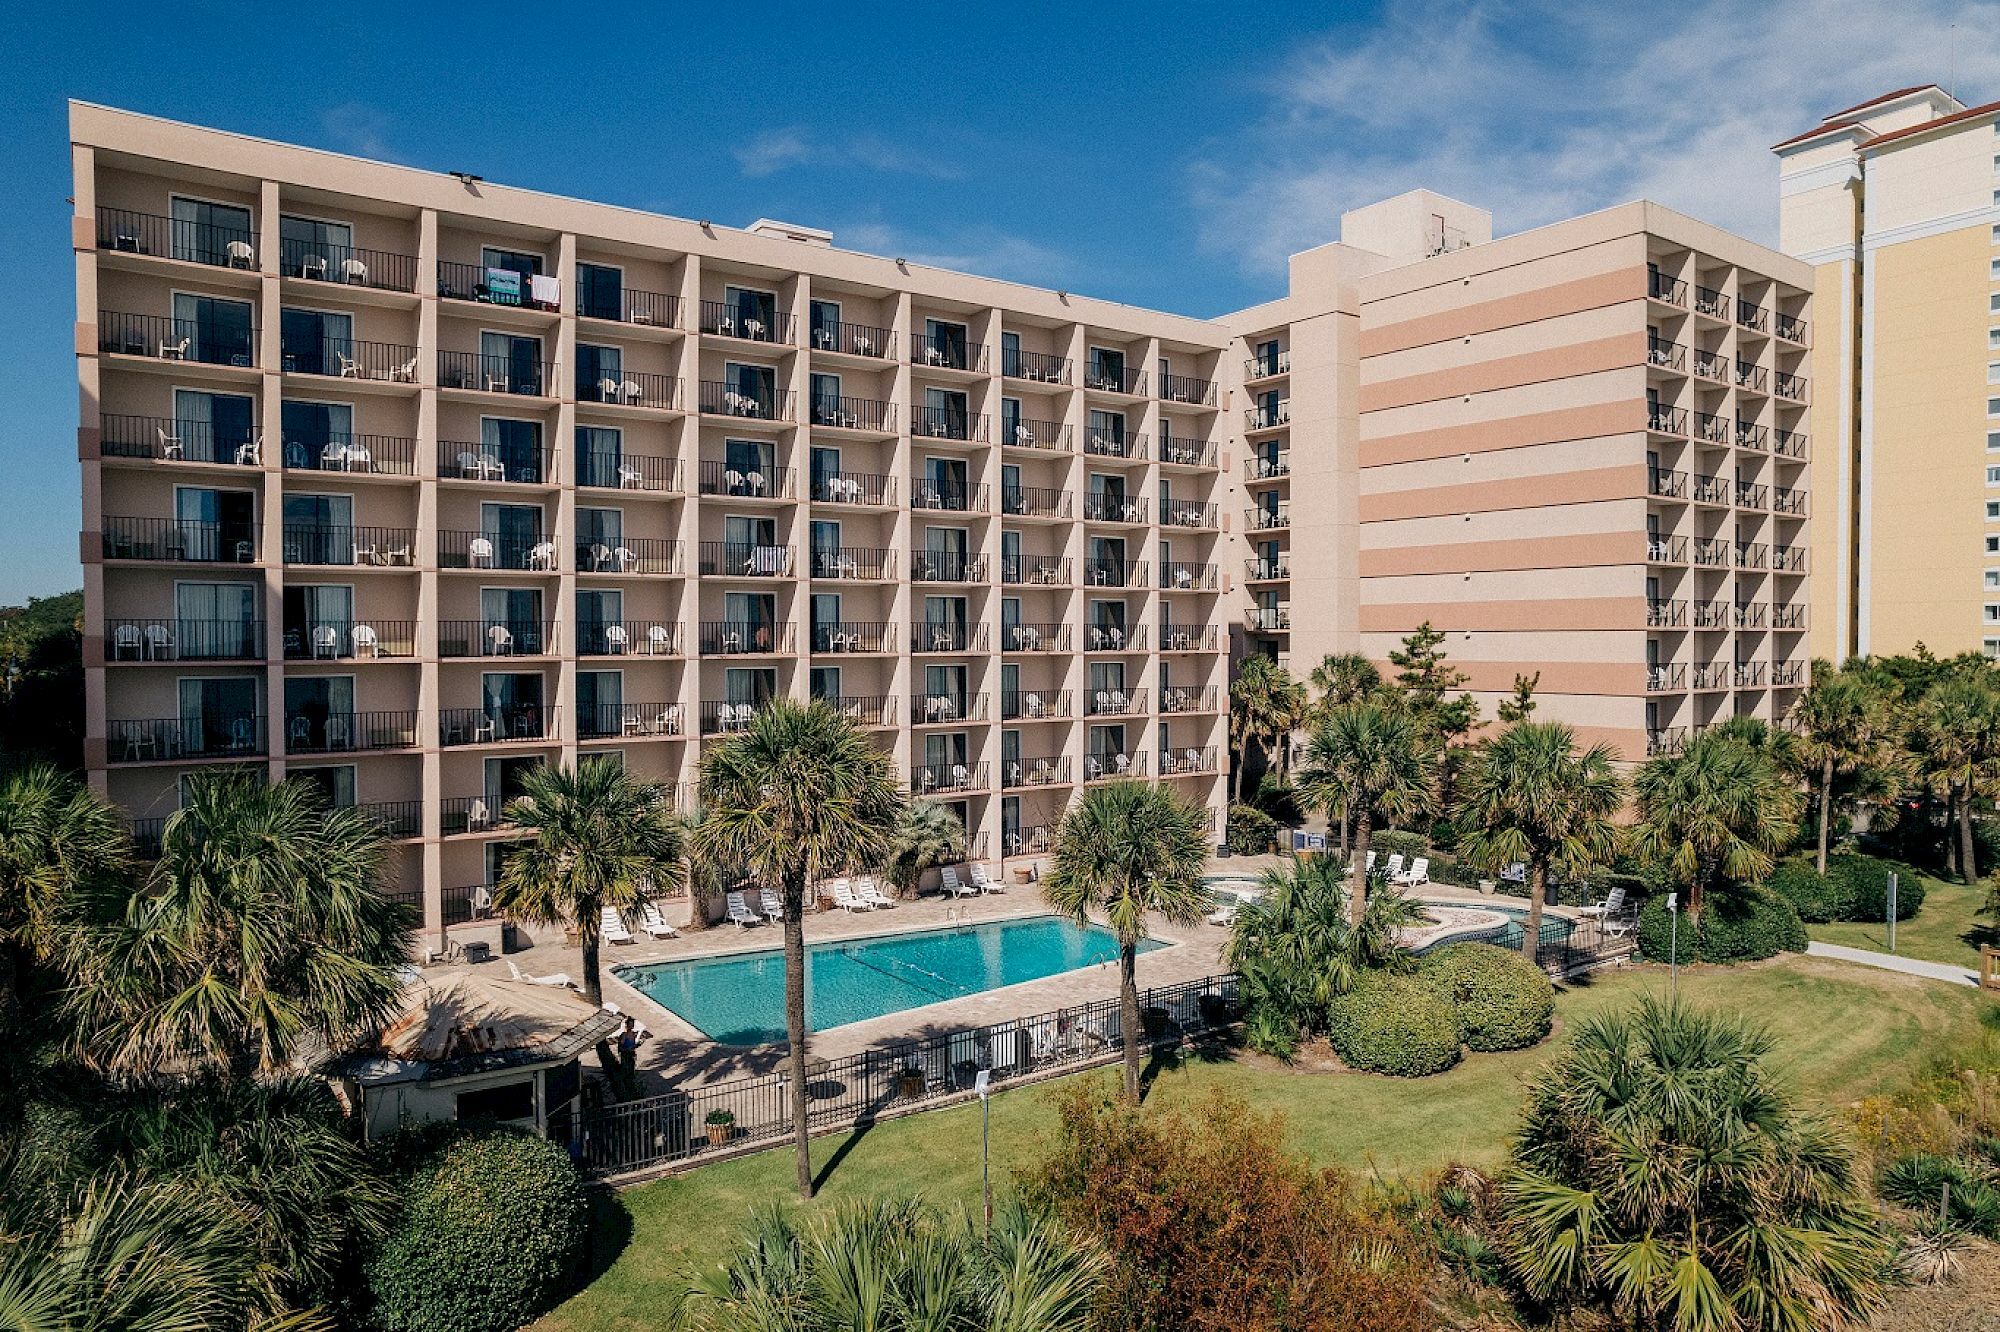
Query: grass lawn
{"x": 1843, "y": 1032}
{"x": 1947, "y": 928}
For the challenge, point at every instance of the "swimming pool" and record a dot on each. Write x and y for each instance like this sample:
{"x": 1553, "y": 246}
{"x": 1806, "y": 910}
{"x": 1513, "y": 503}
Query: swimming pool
{"x": 739, "y": 999}
{"x": 1555, "y": 929}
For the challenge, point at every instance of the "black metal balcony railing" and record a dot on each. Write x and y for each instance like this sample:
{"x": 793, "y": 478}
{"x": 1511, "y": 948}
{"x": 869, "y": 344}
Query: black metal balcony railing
{"x": 628, "y": 720}
{"x": 1788, "y": 559}
{"x": 180, "y": 540}
{"x": 1751, "y": 378}
{"x": 1267, "y": 619}
{"x": 1114, "y": 573}
{"x": 647, "y": 309}
{"x": 1666, "y": 483}
{"x": 1671, "y": 676}
{"x": 1040, "y": 367}
{"x": 853, "y": 563}
{"x": 629, "y": 388}
{"x": 346, "y": 732}
{"x": 745, "y": 482}
{"x": 949, "y": 423}
{"x": 1786, "y": 674}
{"x": 1790, "y": 327}
{"x": 724, "y": 320}
{"x": 853, "y": 339}
{"x": 1789, "y": 443}
{"x": 1267, "y": 518}
{"x": 1115, "y": 444}
{"x": 1113, "y": 507}
{"x": 351, "y": 358}
{"x": 931, "y": 778}
{"x": 845, "y": 413}
{"x": 1665, "y": 355}
{"x": 365, "y": 547}
{"x": 1712, "y": 365}
{"x": 944, "y": 707}
{"x": 746, "y": 637}
{"x": 757, "y": 404}
{"x": 1709, "y": 675}
{"x": 1788, "y": 615}
{"x": 1752, "y": 316}
{"x": 396, "y": 818}
{"x": 1666, "y": 550}
{"x": 632, "y": 555}
{"x": 1188, "y": 576}
{"x": 1187, "y": 451}
{"x": 1111, "y": 379}
{"x": 1710, "y": 553}
{"x": 165, "y": 439}
{"x": 1268, "y": 417}
{"x": 1188, "y": 698}
{"x": 1187, "y": 637}
{"x": 1665, "y": 740}
{"x": 1046, "y": 770}
{"x": 1189, "y": 513}
{"x": 1788, "y": 385}
{"x": 614, "y": 469}
{"x": 1187, "y": 389}
{"x": 864, "y": 709}
{"x": 1712, "y": 428}
{"x": 495, "y": 725}
{"x": 1750, "y": 435}
{"x": 1667, "y": 420}
{"x": 1035, "y": 570}
{"x": 1665, "y": 613}
{"x": 183, "y": 640}
{"x": 853, "y": 488}
{"x": 847, "y": 636}
{"x": 1663, "y": 288}
{"x": 1751, "y": 555}
{"x": 1711, "y": 615}
{"x": 1260, "y": 570}
{"x": 469, "y": 460}
{"x": 1102, "y": 767}
{"x": 459, "y": 281}
{"x": 1788, "y": 501}
{"x": 460, "y": 815}
{"x": 207, "y": 341}
{"x": 1022, "y": 636}
{"x": 947, "y": 637}
{"x": 944, "y": 566}
{"x": 495, "y": 374}
{"x": 947, "y": 353}
{"x": 1709, "y": 301}
{"x": 1034, "y": 704}
{"x": 1711, "y": 490}
{"x": 1748, "y": 614}
{"x": 1187, "y": 761}
{"x": 523, "y": 637}
{"x": 1021, "y": 433}
{"x": 365, "y": 455}
{"x": 1751, "y": 495}
{"x": 222, "y": 246}
{"x": 1034, "y": 502}
{"x": 238, "y": 735}
{"x": 529, "y": 552}
{"x": 740, "y": 559}
{"x": 1110, "y": 636}
{"x": 628, "y": 638}
{"x": 933, "y": 493}
{"x": 1264, "y": 367}
{"x": 463, "y": 903}
{"x": 350, "y": 640}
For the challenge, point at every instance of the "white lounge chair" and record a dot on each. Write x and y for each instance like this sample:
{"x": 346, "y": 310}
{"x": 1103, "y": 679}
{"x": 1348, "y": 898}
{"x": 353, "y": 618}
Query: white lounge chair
{"x": 1416, "y": 876}
{"x": 1223, "y": 916}
{"x": 868, "y": 891}
{"x": 1369, "y": 868}
{"x": 557, "y": 981}
{"x": 773, "y": 905}
{"x": 740, "y": 912}
{"x": 1395, "y": 867}
{"x": 953, "y": 885}
{"x": 981, "y": 880}
{"x": 611, "y": 927}
{"x": 655, "y": 924}
{"x": 1612, "y": 903}
{"x": 844, "y": 898}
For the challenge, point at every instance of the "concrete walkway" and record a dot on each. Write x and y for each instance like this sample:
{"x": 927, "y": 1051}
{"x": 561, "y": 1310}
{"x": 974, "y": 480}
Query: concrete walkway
{"x": 1909, "y": 966}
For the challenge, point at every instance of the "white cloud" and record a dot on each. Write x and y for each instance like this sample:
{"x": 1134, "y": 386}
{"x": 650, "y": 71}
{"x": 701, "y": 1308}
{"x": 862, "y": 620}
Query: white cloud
{"x": 797, "y": 146}
{"x": 1539, "y": 110}
{"x": 360, "y": 129}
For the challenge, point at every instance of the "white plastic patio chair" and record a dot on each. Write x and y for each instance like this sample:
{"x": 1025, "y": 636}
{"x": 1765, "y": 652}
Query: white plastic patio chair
{"x": 660, "y": 641}
{"x": 159, "y": 642}
{"x": 175, "y": 351}
{"x": 241, "y": 255}
{"x": 654, "y": 923}
{"x": 351, "y": 270}
{"x": 1611, "y": 904}
{"x": 1395, "y": 867}
{"x": 614, "y": 639}
{"x": 365, "y": 641}
{"x": 611, "y": 927}
{"x": 479, "y": 550}
{"x": 1416, "y": 876}
{"x": 981, "y": 880}
{"x": 325, "y": 642}
{"x": 630, "y": 477}
{"x": 870, "y": 892}
{"x": 124, "y": 637}
{"x": 556, "y": 980}
{"x": 170, "y": 445}
{"x": 953, "y": 885}
{"x": 843, "y": 896}
{"x": 772, "y": 904}
{"x": 739, "y": 911}
{"x": 542, "y": 556}
{"x": 499, "y": 640}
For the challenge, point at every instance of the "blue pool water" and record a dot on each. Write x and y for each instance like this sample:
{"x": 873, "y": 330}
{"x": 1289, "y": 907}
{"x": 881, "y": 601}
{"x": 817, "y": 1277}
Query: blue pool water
{"x": 740, "y": 999}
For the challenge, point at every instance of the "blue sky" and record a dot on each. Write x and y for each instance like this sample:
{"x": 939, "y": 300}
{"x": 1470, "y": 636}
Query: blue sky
{"x": 1168, "y": 155}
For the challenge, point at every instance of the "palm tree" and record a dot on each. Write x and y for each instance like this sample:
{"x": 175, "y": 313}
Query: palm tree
{"x": 926, "y": 836}
{"x": 1128, "y": 848}
{"x": 1715, "y": 809}
{"x": 1532, "y": 798}
{"x": 1956, "y": 736}
{"x": 1661, "y": 1171}
{"x": 1373, "y": 761}
{"x": 895, "y": 1265}
{"x": 799, "y": 794}
{"x": 593, "y": 836}
{"x": 1340, "y": 679}
{"x": 1843, "y": 727}
{"x": 1265, "y": 704}
{"x": 262, "y": 924}
{"x": 56, "y": 837}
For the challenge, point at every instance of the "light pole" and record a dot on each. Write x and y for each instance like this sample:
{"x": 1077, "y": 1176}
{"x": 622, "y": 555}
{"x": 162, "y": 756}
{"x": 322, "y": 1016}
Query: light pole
{"x": 980, "y": 1084}
{"x": 1674, "y": 948}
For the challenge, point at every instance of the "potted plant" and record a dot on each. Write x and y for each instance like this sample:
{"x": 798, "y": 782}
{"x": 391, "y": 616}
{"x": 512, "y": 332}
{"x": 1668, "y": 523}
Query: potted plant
{"x": 910, "y": 1082}
{"x": 1154, "y": 1019}
{"x": 721, "y": 1124}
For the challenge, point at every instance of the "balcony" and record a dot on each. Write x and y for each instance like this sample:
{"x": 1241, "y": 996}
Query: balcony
{"x": 628, "y": 721}
{"x": 459, "y": 281}
{"x": 723, "y": 320}
{"x": 351, "y": 358}
{"x": 1660, "y": 287}
{"x": 1034, "y": 502}
{"x": 1267, "y": 619}
{"x": 1711, "y": 428}
{"x": 1788, "y": 501}
{"x": 938, "y": 495}
{"x": 1034, "y": 571}
{"x": 1750, "y": 378}
{"x": 1710, "y": 302}
{"x": 1666, "y": 550}
{"x": 1751, "y": 555}
{"x": 1711, "y": 553}
{"x": 1267, "y": 367}
{"x": 949, "y": 423}
{"x": 1048, "y": 770}
{"x": 720, "y": 717}
{"x": 1750, "y": 435}
{"x": 633, "y": 638}
{"x": 1187, "y": 451}
{"x": 350, "y": 732}
{"x": 164, "y": 439}
{"x": 1788, "y": 559}
{"x": 633, "y": 555}
{"x": 761, "y": 483}
{"x": 1022, "y": 433}
{"x": 946, "y": 566}
{"x": 1190, "y": 513}
{"x": 1186, "y": 638}
{"x": 396, "y": 818}
{"x": 954, "y": 639}
{"x": 350, "y": 640}
{"x": 853, "y": 636}
{"x": 176, "y": 739}
{"x": 1113, "y": 507}
{"x": 737, "y": 559}
{"x": 1711, "y": 490}
{"x": 1036, "y": 367}
{"x": 839, "y": 412}
{"x": 1024, "y": 637}
{"x": 1187, "y": 762}
{"x": 614, "y": 469}
{"x": 1663, "y": 613}
{"x": 643, "y": 309}
{"x": 496, "y": 550}
{"x": 1182, "y": 699}
{"x": 853, "y": 340}
{"x": 1115, "y": 444}
{"x": 1187, "y": 576}
{"x": 1659, "y": 679}
{"x": 1259, "y": 570}
{"x": 631, "y": 388}
{"x": 123, "y": 231}
{"x": 1712, "y": 365}
{"x": 1188, "y": 390}
{"x": 496, "y": 725}
{"x": 1267, "y": 518}
{"x": 1109, "y": 378}
{"x": 179, "y": 540}
{"x": 864, "y": 709}
{"x": 731, "y": 638}
{"x": 1789, "y": 444}
{"x": 943, "y": 778}
{"x": 468, "y": 460}
{"x": 188, "y": 341}
{"x": 761, "y": 404}
{"x": 1268, "y": 417}
{"x": 947, "y": 353}
{"x": 945, "y": 708}
{"x": 1748, "y": 615}
{"x": 1107, "y": 766}
{"x": 1667, "y": 420}
{"x": 183, "y": 640}
{"x": 1114, "y": 703}
{"x": 1790, "y": 327}
{"x": 480, "y": 373}
{"x": 1034, "y": 704}
{"x": 1110, "y": 636}
{"x": 497, "y": 638}
{"x": 1710, "y": 675}
{"x": 1665, "y": 740}
{"x": 1664, "y": 355}
{"x": 853, "y": 488}
{"x": 1665, "y": 483}
{"x": 1788, "y": 674}
{"x": 1114, "y": 573}
{"x": 1711, "y": 615}
{"x": 1751, "y": 495}
{"x": 352, "y": 454}
{"x": 1789, "y": 386}
{"x": 1788, "y": 615}
{"x": 1753, "y": 317}
{"x": 866, "y": 564}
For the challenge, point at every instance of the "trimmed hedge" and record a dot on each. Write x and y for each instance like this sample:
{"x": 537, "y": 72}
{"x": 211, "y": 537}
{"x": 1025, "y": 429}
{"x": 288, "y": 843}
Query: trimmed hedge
{"x": 1855, "y": 887}
{"x": 1501, "y": 1000}
{"x": 1393, "y": 1024}
{"x": 1737, "y": 925}
{"x": 1251, "y": 830}
{"x": 494, "y": 1229}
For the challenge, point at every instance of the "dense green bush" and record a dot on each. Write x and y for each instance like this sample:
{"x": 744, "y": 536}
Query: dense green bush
{"x": 1855, "y": 887}
{"x": 493, "y": 1230}
{"x": 1279, "y": 801}
{"x": 1250, "y": 830}
{"x": 1737, "y": 925}
{"x": 1925, "y": 1182}
{"x": 1393, "y": 1024}
{"x": 1395, "y": 842}
{"x": 1502, "y": 1001}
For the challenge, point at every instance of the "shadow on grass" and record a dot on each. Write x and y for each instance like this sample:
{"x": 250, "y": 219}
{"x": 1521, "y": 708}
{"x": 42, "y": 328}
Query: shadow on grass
{"x": 610, "y": 1232}
{"x": 847, "y": 1144}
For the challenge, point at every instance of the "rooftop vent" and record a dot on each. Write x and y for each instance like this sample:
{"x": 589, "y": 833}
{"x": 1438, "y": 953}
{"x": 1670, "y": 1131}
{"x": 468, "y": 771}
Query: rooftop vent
{"x": 765, "y": 226}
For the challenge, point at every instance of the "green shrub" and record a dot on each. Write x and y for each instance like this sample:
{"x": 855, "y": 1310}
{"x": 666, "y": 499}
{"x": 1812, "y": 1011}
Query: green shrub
{"x": 1501, "y": 1000}
{"x": 1250, "y": 830}
{"x": 1737, "y": 925}
{"x": 1924, "y": 1182}
{"x": 1394, "y": 842}
{"x": 1854, "y": 887}
{"x": 1393, "y": 1024}
{"x": 1279, "y": 801}
{"x": 493, "y": 1230}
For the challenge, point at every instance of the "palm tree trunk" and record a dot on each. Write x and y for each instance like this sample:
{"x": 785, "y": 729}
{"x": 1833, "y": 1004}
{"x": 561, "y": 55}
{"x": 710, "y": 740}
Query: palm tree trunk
{"x": 1968, "y": 861}
{"x": 1538, "y": 891}
{"x": 1357, "y": 897}
{"x": 1825, "y": 808}
{"x": 1696, "y": 887}
{"x": 1950, "y": 818}
{"x": 586, "y": 938}
{"x": 1128, "y": 1005}
{"x": 1342, "y": 818}
{"x": 795, "y": 1027}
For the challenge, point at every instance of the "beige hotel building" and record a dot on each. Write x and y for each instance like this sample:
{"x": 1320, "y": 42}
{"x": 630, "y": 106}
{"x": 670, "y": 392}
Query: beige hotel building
{"x": 406, "y": 480}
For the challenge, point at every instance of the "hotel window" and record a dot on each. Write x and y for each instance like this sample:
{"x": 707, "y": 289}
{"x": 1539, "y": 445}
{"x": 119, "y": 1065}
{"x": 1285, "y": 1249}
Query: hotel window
{"x": 1993, "y": 545}
{"x": 1993, "y": 511}
{"x": 1993, "y": 372}
{"x": 1992, "y": 610}
{"x": 1990, "y": 646}
{"x": 1993, "y": 578}
{"x": 1993, "y": 339}
{"x": 1993, "y": 476}
{"x": 1993, "y": 270}
{"x": 1993, "y": 440}
{"x": 1993, "y": 406}
{"x": 1993, "y": 303}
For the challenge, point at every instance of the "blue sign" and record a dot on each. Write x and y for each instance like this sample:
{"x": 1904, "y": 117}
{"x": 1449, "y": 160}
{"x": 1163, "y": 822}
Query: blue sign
{"x": 503, "y": 286}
